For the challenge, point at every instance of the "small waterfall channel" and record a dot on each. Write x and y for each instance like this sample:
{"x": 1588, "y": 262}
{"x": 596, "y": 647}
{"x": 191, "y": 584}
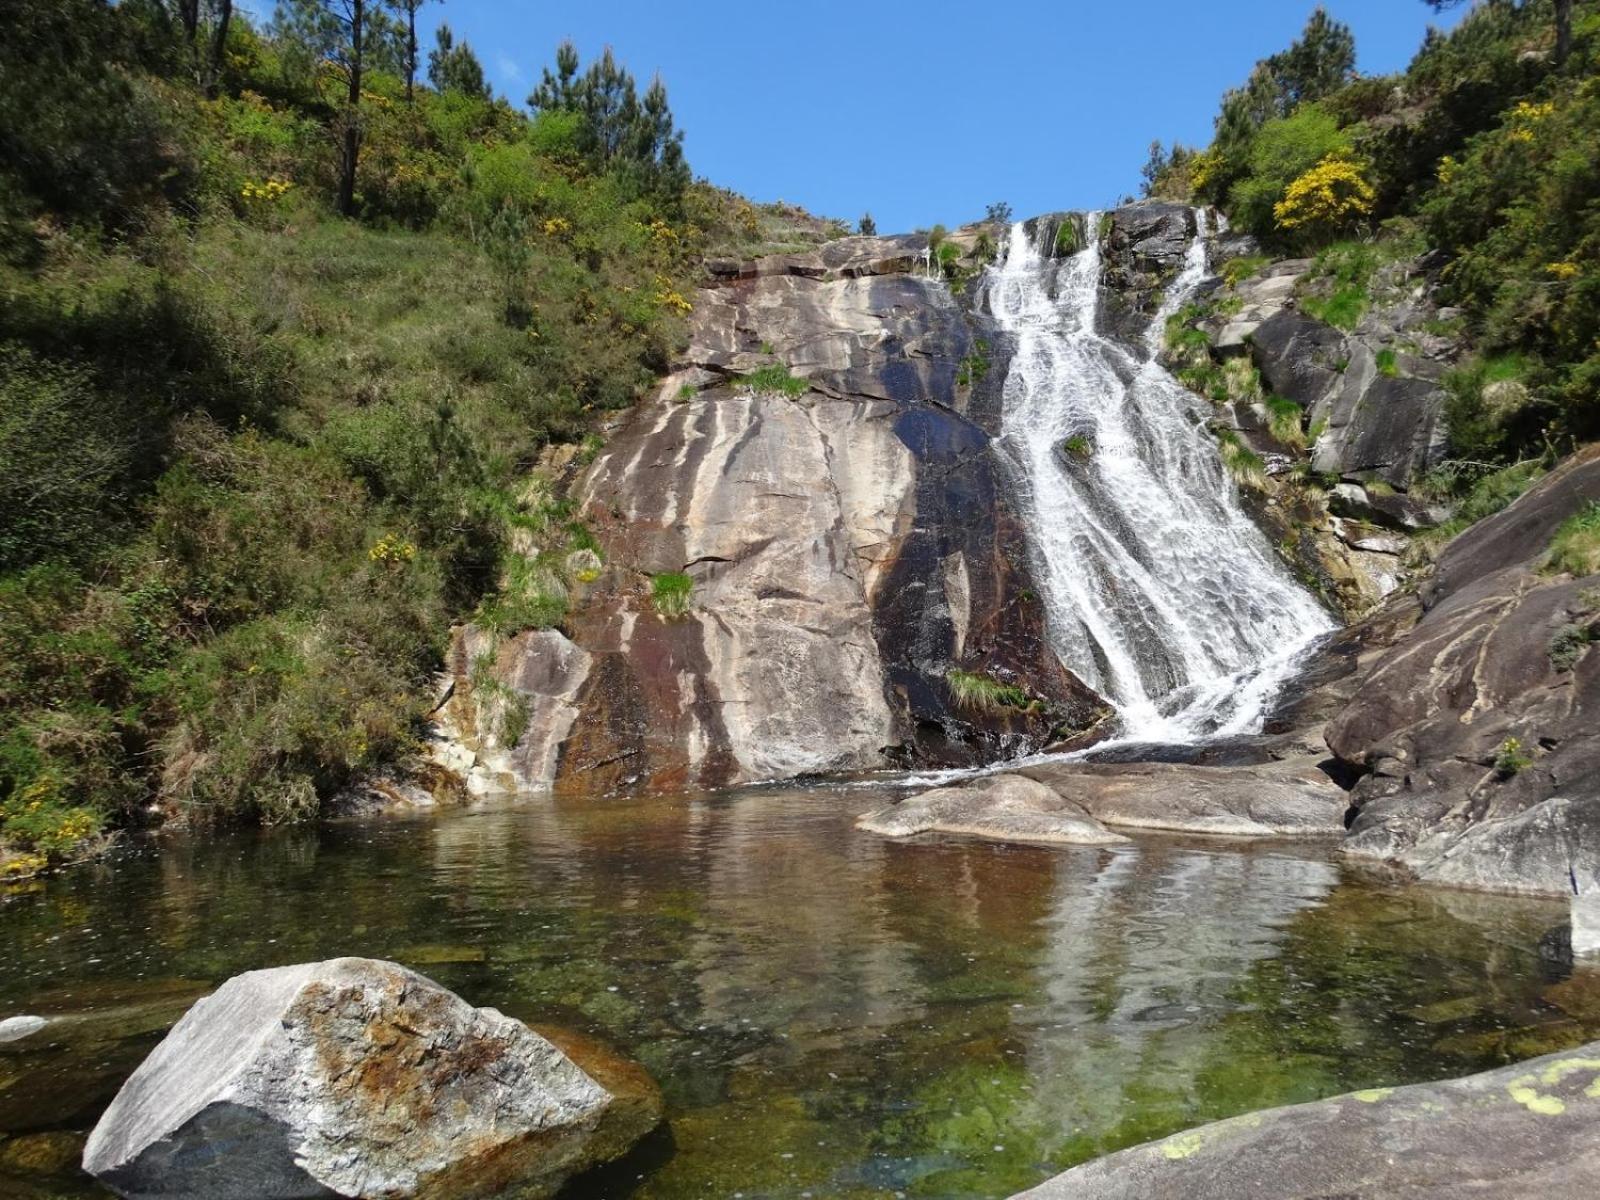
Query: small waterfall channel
{"x": 1161, "y": 593}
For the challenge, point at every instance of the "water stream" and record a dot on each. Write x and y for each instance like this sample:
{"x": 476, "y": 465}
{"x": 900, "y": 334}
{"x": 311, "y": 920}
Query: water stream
{"x": 1161, "y": 593}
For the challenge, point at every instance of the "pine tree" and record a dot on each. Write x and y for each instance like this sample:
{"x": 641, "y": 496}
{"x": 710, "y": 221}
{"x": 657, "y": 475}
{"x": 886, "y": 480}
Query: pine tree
{"x": 335, "y": 31}
{"x": 455, "y": 68}
{"x": 619, "y": 131}
{"x": 868, "y": 227}
{"x": 1563, "y": 24}
{"x": 407, "y": 9}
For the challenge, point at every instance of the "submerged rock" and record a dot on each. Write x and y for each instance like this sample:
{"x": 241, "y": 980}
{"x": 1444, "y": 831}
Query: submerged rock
{"x": 1517, "y": 1132}
{"x": 1076, "y": 802}
{"x": 14, "y": 1029}
{"x": 357, "y": 1078}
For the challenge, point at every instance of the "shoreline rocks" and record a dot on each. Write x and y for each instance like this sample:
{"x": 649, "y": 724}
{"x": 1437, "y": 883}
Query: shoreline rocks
{"x": 14, "y": 1029}
{"x": 359, "y": 1078}
{"x": 1519, "y": 1131}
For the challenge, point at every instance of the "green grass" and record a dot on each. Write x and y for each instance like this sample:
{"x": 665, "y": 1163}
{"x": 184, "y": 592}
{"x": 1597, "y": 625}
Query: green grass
{"x": 1236, "y": 270}
{"x": 670, "y": 593}
{"x": 1343, "y": 310}
{"x": 1243, "y": 465}
{"x": 984, "y": 693}
{"x": 1388, "y": 363}
{"x": 1575, "y": 549}
{"x": 774, "y": 378}
{"x": 1476, "y": 497}
{"x": 1078, "y": 446}
{"x": 1286, "y": 422}
{"x": 975, "y": 365}
{"x": 1066, "y": 239}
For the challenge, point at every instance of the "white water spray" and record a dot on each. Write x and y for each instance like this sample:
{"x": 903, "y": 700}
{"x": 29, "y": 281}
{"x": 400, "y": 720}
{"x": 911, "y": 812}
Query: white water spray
{"x": 1161, "y": 593}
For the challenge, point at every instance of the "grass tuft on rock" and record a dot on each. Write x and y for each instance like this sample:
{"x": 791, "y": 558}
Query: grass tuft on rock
{"x": 775, "y": 378}
{"x": 670, "y": 593}
{"x": 1575, "y": 549}
{"x": 984, "y": 693}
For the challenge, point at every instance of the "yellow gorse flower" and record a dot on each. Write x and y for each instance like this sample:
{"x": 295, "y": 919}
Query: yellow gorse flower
{"x": 1563, "y": 270}
{"x": 556, "y": 226}
{"x": 268, "y": 191}
{"x": 392, "y": 550}
{"x": 1331, "y": 193}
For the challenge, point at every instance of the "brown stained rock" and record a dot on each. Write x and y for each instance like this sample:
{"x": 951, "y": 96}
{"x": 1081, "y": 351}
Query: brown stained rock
{"x": 358, "y": 1078}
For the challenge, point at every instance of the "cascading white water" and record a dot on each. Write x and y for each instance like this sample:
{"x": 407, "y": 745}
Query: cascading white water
{"x": 1161, "y": 594}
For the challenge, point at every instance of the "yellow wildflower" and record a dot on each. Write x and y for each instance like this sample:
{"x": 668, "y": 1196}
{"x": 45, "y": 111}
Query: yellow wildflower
{"x": 1563, "y": 270}
{"x": 1330, "y": 194}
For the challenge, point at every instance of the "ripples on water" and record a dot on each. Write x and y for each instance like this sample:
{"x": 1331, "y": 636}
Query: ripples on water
{"x": 828, "y": 1012}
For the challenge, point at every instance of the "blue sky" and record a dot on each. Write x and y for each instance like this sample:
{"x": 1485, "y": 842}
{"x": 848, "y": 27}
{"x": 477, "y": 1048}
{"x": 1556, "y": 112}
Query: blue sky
{"x": 925, "y": 112}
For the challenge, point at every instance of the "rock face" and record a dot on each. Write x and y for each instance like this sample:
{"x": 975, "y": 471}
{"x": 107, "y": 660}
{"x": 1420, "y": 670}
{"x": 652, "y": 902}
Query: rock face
{"x": 362, "y": 1079}
{"x": 1521, "y": 1131}
{"x": 1076, "y": 803}
{"x": 849, "y": 539}
{"x": 1479, "y": 733}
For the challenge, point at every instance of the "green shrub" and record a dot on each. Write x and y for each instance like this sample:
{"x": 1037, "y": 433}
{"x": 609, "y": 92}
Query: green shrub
{"x": 1078, "y": 446}
{"x": 975, "y": 365}
{"x": 1568, "y": 644}
{"x": 1066, "y": 239}
{"x": 1511, "y": 759}
{"x": 1282, "y": 151}
{"x": 670, "y": 593}
{"x": 984, "y": 693}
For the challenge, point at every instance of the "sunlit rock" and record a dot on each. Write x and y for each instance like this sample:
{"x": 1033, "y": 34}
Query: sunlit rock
{"x": 355, "y": 1078}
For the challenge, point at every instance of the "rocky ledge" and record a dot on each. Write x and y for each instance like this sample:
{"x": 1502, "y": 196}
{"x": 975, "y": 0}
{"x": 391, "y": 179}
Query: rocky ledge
{"x": 360, "y": 1078}
{"x": 1521, "y": 1131}
{"x": 1082, "y": 804}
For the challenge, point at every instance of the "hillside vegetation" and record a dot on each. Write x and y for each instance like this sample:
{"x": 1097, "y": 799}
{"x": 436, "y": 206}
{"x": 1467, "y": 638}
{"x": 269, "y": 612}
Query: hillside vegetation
{"x": 287, "y": 331}
{"x": 1484, "y": 151}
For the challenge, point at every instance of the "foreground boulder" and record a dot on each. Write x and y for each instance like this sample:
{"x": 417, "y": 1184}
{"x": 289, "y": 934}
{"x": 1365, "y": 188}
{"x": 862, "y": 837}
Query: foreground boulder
{"x": 1520, "y": 1131}
{"x": 1076, "y": 803}
{"x": 358, "y": 1078}
{"x": 1479, "y": 733}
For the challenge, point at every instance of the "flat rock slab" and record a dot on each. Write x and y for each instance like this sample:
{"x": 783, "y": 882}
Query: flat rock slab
{"x": 1530, "y": 1130}
{"x": 1082, "y": 803}
{"x": 1292, "y": 798}
{"x": 1006, "y": 808}
{"x": 358, "y": 1078}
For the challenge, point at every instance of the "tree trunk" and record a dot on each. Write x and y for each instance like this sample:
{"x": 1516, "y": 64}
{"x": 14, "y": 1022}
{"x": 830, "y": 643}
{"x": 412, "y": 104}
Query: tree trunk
{"x": 1563, "y": 30}
{"x": 219, "y": 45}
{"x": 352, "y": 127}
{"x": 411, "y": 49}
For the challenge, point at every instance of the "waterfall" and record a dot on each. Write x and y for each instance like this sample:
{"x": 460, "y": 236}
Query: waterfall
{"x": 1160, "y": 592}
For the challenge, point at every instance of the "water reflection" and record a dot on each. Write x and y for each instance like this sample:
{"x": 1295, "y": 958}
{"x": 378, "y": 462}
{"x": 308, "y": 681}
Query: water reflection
{"x": 827, "y": 1011}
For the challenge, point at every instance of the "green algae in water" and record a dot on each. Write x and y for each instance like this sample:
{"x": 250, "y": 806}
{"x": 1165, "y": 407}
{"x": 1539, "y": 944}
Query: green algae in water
{"x": 827, "y": 1012}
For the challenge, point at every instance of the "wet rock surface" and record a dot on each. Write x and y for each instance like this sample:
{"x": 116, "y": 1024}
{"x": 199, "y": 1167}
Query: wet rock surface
{"x": 1521, "y": 1131}
{"x": 358, "y": 1078}
{"x": 1479, "y": 731}
{"x": 1086, "y": 803}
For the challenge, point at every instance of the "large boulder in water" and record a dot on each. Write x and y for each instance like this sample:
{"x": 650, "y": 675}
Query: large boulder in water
{"x": 1521, "y": 1131}
{"x": 358, "y": 1078}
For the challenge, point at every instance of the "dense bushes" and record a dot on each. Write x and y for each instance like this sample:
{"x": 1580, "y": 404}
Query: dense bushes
{"x": 254, "y": 458}
{"x": 1485, "y": 145}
